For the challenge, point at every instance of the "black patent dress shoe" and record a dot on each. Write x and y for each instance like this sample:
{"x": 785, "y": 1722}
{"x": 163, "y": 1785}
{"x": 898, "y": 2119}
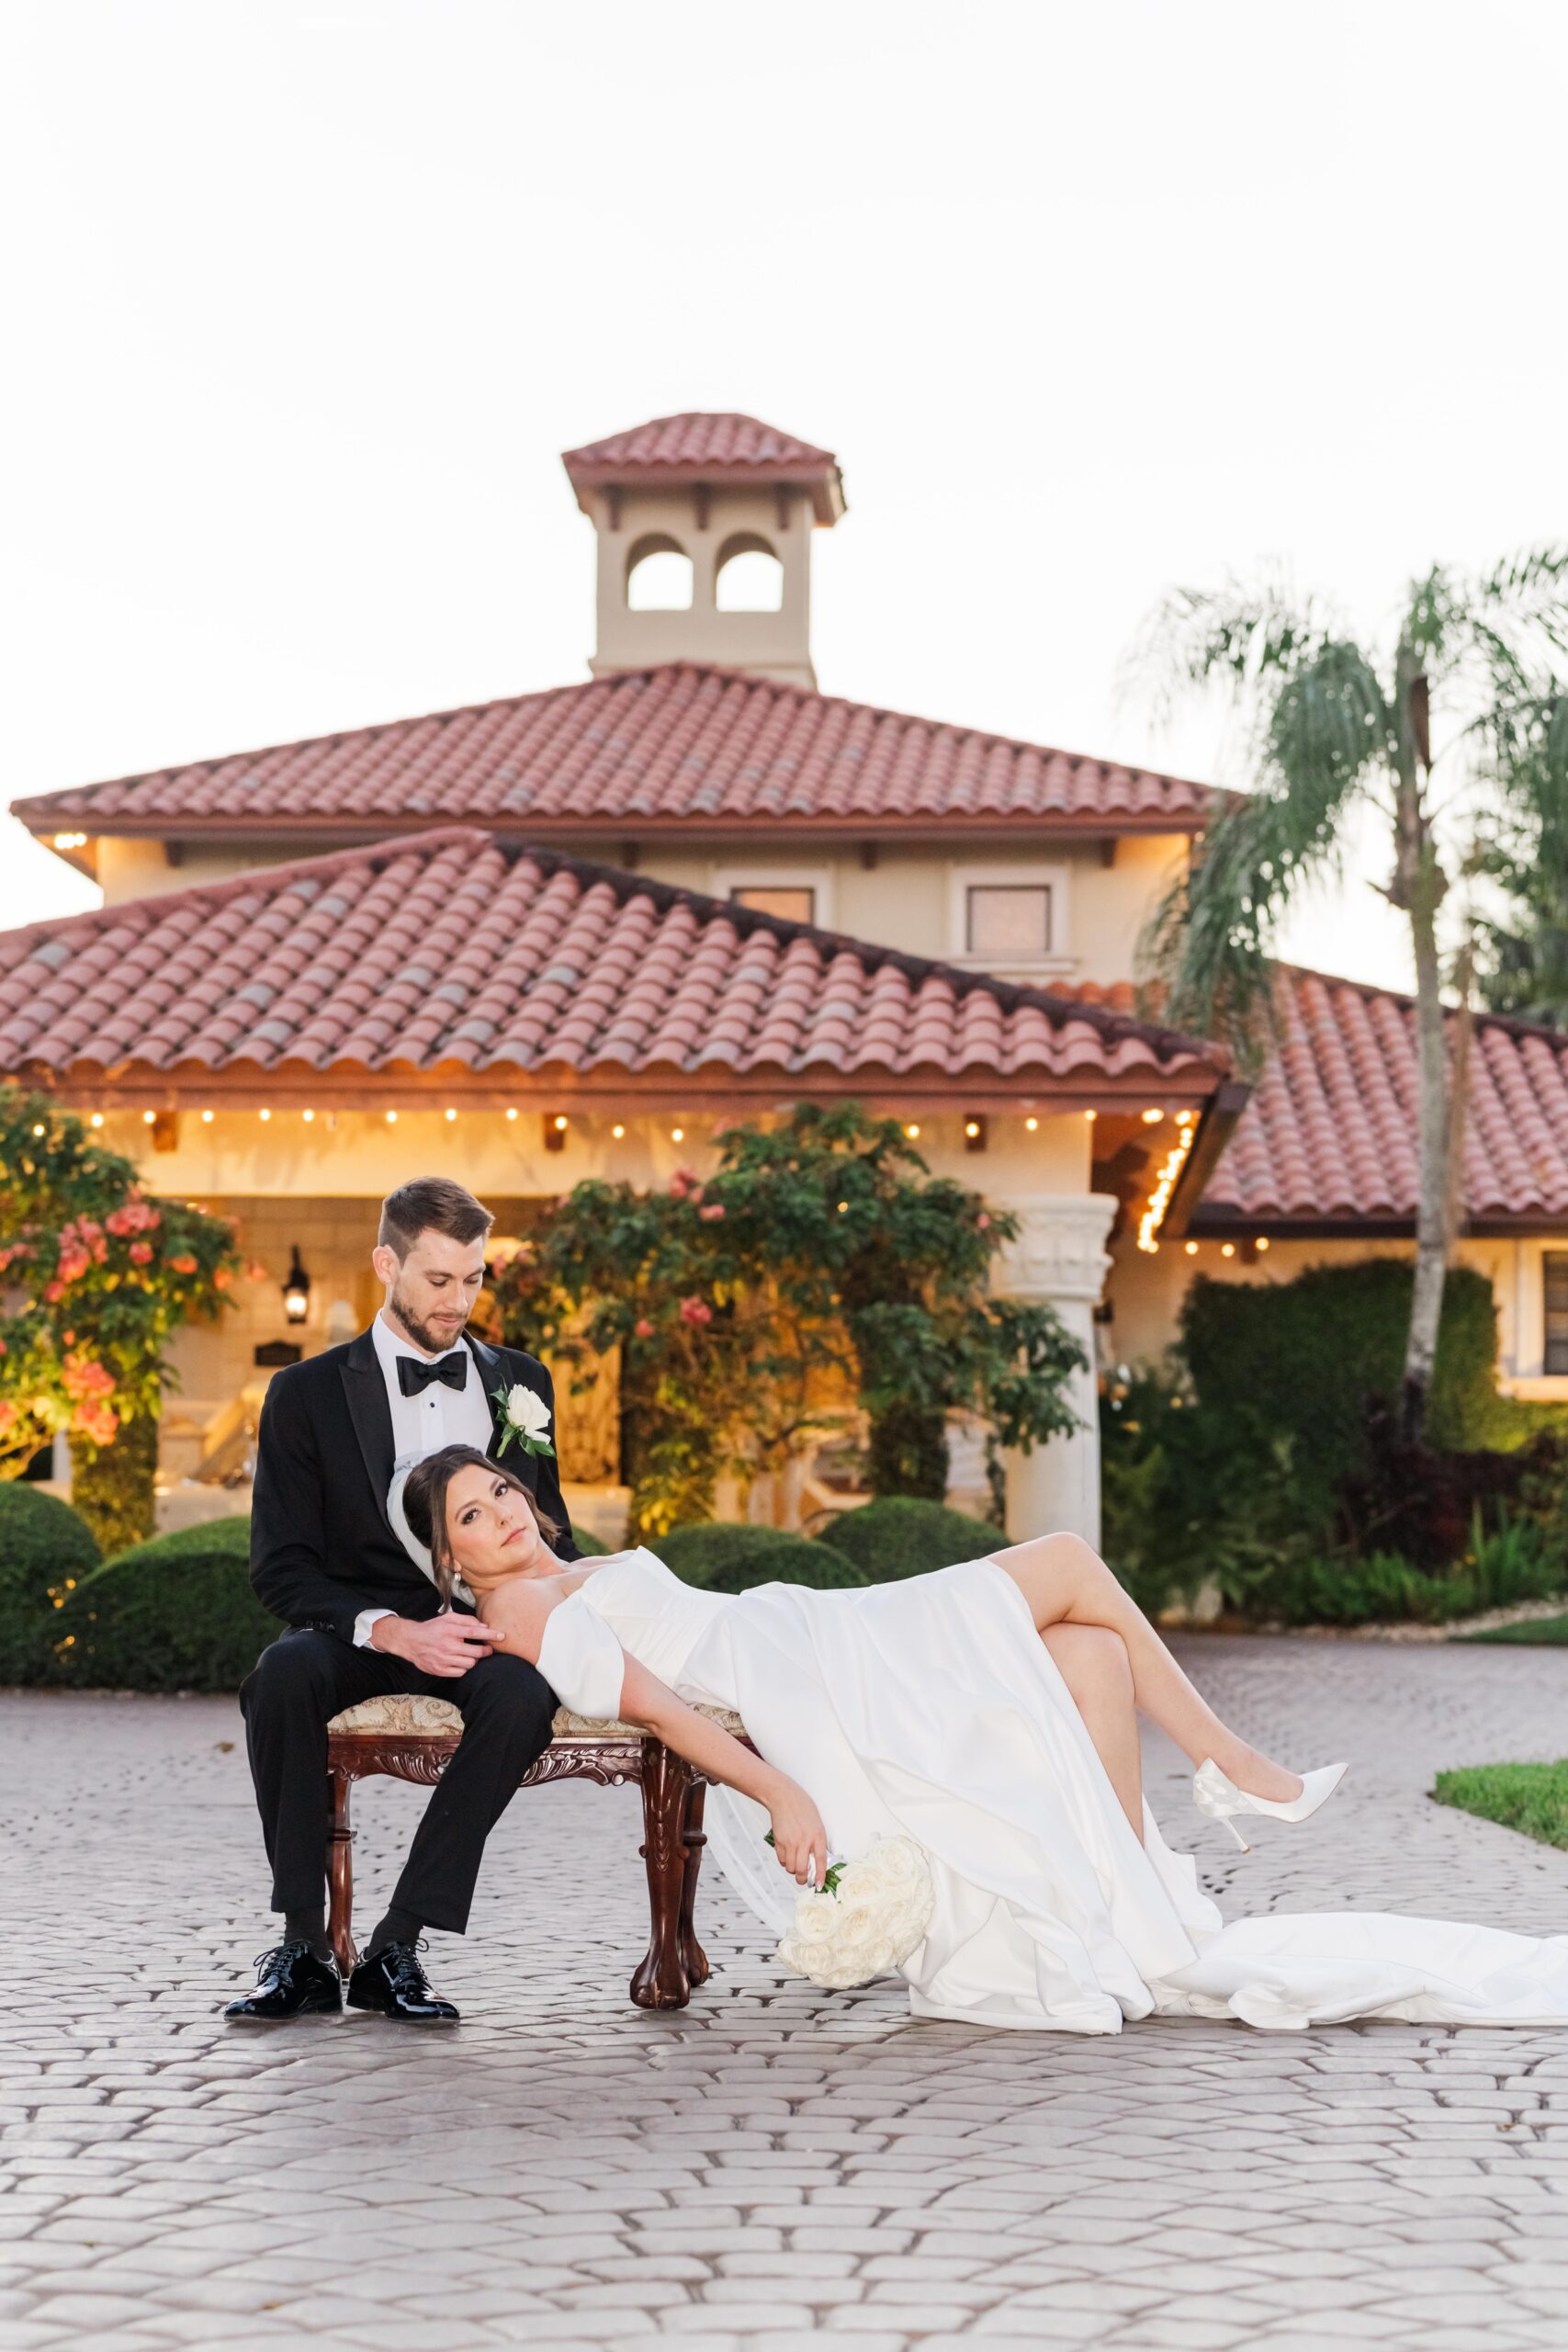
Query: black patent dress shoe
{"x": 392, "y": 1982}
{"x": 291, "y": 1982}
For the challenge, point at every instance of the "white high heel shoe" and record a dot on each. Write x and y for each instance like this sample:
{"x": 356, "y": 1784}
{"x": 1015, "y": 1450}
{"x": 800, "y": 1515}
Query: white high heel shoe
{"x": 1214, "y": 1794}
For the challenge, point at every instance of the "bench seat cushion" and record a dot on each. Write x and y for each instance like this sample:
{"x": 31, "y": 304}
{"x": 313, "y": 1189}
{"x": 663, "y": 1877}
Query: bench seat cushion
{"x": 407, "y": 1716}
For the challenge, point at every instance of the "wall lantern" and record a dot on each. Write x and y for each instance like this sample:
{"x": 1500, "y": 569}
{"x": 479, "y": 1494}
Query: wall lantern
{"x": 975, "y": 1132}
{"x": 555, "y": 1131}
{"x": 296, "y": 1290}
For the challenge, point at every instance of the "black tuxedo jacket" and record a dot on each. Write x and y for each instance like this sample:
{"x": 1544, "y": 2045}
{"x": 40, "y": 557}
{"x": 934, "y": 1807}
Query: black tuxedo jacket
{"x": 323, "y": 1547}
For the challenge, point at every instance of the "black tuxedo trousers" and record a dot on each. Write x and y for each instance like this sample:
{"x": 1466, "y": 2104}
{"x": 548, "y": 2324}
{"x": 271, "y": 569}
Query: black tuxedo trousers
{"x": 306, "y": 1678}
{"x": 322, "y": 1549}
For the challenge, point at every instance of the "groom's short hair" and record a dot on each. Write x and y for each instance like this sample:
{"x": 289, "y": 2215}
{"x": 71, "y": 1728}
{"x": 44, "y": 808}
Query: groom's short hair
{"x": 431, "y": 1204}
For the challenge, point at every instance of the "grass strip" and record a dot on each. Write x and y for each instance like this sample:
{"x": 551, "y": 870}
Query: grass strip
{"x": 1531, "y": 1798}
{"x": 1536, "y": 1629}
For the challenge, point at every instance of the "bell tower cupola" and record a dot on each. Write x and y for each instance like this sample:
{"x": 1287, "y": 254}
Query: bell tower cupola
{"x": 705, "y": 526}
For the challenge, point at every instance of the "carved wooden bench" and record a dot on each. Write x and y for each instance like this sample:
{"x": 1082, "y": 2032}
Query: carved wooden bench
{"x": 413, "y": 1738}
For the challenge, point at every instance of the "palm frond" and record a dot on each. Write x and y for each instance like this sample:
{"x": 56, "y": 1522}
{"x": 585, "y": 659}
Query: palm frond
{"x": 1495, "y": 634}
{"x": 1238, "y": 635}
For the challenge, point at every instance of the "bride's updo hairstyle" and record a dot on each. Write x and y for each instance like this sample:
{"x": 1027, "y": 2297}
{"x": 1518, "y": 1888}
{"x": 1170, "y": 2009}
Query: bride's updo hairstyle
{"x": 425, "y": 1505}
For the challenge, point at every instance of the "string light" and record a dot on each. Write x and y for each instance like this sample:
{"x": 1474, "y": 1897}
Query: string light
{"x": 512, "y": 1115}
{"x": 39, "y": 1128}
{"x": 1031, "y": 1126}
{"x": 913, "y": 1131}
{"x": 148, "y": 1117}
{"x": 677, "y": 1135}
{"x": 1165, "y": 1185}
{"x": 391, "y": 1118}
{"x": 307, "y": 1116}
{"x": 1184, "y": 1118}
{"x": 617, "y": 1131}
{"x": 558, "y": 1122}
{"x": 1090, "y": 1116}
{"x": 1192, "y": 1249}
{"x": 98, "y": 1118}
{"x": 207, "y": 1118}
{"x": 264, "y": 1114}
{"x": 71, "y": 841}
{"x": 1227, "y": 1249}
{"x": 1261, "y": 1242}
{"x": 1153, "y": 1118}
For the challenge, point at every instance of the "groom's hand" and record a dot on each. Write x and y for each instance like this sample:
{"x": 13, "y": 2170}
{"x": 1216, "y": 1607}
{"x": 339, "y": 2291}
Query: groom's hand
{"x": 448, "y": 1644}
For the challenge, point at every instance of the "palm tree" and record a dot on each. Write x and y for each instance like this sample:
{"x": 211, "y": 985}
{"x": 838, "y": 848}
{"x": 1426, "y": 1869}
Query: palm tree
{"x": 1338, "y": 725}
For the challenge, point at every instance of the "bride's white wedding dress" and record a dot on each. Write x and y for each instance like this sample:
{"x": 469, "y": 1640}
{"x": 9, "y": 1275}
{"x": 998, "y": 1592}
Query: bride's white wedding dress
{"x": 932, "y": 1708}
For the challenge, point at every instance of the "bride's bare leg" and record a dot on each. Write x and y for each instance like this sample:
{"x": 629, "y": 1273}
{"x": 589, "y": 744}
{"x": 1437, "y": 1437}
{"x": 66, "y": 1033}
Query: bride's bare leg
{"x": 1097, "y": 1671}
{"x": 1065, "y": 1581}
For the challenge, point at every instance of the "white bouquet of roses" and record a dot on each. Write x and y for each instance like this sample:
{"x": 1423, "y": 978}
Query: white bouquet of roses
{"x": 865, "y": 1918}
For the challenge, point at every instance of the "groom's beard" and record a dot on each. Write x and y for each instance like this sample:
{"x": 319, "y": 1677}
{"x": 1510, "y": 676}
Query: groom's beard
{"x": 434, "y": 1343}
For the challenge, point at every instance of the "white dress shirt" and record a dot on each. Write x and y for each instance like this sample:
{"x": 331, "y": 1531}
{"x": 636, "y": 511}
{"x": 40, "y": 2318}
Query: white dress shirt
{"x": 438, "y": 1416}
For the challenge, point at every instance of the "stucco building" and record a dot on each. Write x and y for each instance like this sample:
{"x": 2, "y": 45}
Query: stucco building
{"x": 576, "y": 932}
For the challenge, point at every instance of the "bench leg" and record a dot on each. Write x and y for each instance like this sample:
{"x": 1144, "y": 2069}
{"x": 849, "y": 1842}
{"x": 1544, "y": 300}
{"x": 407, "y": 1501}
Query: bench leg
{"x": 340, "y": 1871}
{"x": 664, "y": 1980}
{"x": 692, "y": 1954}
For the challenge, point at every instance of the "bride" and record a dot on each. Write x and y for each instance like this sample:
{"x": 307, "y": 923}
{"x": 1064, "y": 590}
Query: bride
{"x": 989, "y": 1712}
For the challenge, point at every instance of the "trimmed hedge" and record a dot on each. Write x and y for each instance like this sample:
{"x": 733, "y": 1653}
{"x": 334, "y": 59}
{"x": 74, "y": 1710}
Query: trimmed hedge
{"x": 174, "y": 1614}
{"x": 732, "y": 1557}
{"x": 903, "y": 1536}
{"x": 589, "y": 1545}
{"x": 46, "y": 1548}
{"x": 1297, "y": 1360}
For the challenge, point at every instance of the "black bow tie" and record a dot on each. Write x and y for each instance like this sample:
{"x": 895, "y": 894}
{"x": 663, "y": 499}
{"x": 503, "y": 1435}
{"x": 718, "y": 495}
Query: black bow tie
{"x": 413, "y": 1375}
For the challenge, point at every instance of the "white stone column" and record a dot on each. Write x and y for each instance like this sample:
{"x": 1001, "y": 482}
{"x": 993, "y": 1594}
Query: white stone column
{"x": 1059, "y": 1260}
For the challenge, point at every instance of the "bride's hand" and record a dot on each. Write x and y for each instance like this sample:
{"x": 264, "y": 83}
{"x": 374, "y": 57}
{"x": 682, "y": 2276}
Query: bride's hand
{"x": 799, "y": 1840}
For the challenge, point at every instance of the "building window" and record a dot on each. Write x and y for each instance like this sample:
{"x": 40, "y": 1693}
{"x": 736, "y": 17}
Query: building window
{"x": 751, "y": 577}
{"x": 1554, "y": 1276}
{"x": 796, "y": 903}
{"x": 659, "y": 576}
{"x": 1008, "y": 920}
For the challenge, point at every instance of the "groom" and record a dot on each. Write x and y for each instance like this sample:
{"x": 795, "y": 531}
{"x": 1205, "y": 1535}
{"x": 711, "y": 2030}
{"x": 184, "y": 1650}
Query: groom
{"x": 365, "y": 1618}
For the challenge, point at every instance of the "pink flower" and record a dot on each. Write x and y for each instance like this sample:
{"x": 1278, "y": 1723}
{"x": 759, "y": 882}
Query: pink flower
{"x": 255, "y": 1272}
{"x": 982, "y": 1223}
{"x": 53, "y": 1293}
{"x": 712, "y": 1212}
{"x": 643, "y": 1327}
{"x": 685, "y": 1180}
{"x": 96, "y": 1422}
{"x": 695, "y": 1310}
{"x": 140, "y": 1253}
{"x": 7, "y": 1417}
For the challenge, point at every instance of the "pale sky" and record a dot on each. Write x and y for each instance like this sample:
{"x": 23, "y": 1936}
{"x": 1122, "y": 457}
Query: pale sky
{"x": 305, "y": 300}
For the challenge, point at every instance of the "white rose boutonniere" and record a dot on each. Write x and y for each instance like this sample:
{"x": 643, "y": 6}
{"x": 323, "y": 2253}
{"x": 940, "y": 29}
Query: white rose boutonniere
{"x": 524, "y": 1416}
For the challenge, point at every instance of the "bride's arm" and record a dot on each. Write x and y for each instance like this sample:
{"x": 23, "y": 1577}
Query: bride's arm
{"x": 800, "y": 1840}
{"x": 516, "y": 1616}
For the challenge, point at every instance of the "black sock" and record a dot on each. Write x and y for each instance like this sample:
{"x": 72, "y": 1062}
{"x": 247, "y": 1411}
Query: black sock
{"x": 308, "y": 1927}
{"x": 396, "y": 1928}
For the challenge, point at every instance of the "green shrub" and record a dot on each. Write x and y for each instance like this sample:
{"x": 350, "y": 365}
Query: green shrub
{"x": 112, "y": 1485}
{"x": 900, "y": 1535}
{"x": 589, "y": 1545}
{"x": 1189, "y": 1497}
{"x": 174, "y": 1614}
{"x": 46, "y": 1548}
{"x": 731, "y": 1556}
{"x": 1512, "y": 1564}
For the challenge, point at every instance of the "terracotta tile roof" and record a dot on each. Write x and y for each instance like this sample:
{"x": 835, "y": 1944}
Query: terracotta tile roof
{"x": 459, "y": 953}
{"x": 703, "y": 447}
{"x": 1329, "y": 1132}
{"x": 678, "y": 747}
